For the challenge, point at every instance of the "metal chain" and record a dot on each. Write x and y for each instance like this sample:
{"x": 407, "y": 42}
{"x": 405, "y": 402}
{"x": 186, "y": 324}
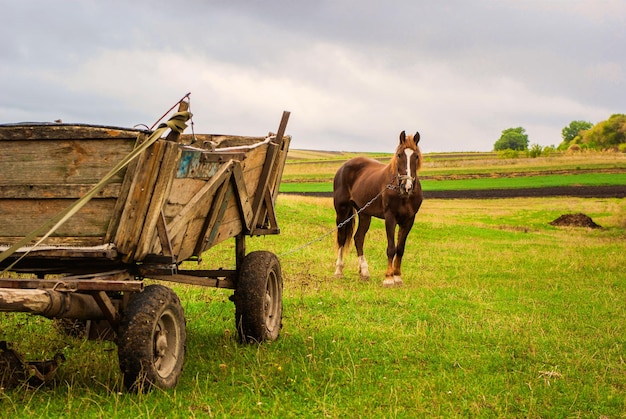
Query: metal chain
{"x": 340, "y": 225}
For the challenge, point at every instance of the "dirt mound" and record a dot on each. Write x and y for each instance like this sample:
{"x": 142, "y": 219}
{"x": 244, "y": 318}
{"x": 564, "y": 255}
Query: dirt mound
{"x": 575, "y": 220}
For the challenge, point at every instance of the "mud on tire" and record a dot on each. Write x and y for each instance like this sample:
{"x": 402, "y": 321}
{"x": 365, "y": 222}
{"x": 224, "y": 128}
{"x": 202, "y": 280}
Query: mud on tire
{"x": 259, "y": 298}
{"x": 151, "y": 340}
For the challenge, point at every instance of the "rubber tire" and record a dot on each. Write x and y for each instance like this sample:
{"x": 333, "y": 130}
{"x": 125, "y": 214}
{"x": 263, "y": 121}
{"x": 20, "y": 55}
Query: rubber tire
{"x": 152, "y": 318}
{"x": 259, "y": 298}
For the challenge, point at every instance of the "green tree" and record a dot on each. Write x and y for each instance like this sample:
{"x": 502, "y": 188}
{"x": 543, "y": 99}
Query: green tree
{"x": 571, "y": 133}
{"x": 609, "y": 134}
{"x": 512, "y": 139}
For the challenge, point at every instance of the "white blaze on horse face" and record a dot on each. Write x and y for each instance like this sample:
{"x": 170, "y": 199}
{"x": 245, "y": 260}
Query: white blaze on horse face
{"x": 409, "y": 183}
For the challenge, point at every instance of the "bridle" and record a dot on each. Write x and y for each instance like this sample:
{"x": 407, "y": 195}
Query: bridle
{"x": 405, "y": 182}
{"x": 402, "y": 180}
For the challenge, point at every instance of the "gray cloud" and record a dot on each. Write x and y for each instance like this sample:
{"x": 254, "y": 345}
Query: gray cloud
{"x": 353, "y": 73}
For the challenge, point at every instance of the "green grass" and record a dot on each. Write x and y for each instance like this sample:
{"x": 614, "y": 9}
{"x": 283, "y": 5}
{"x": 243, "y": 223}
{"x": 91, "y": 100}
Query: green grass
{"x": 587, "y": 179}
{"x": 501, "y": 315}
{"x": 321, "y": 166}
{"x": 313, "y": 172}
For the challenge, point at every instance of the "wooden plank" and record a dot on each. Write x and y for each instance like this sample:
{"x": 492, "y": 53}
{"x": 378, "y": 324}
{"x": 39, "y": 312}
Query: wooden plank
{"x": 266, "y": 222}
{"x": 21, "y": 132}
{"x": 162, "y": 185}
{"x": 272, "y": 224}
{"x": 280, "y": 165}
{"x": 18, "y": 217}
{"x": 264, "y": 181}
{"x": 86, "y": 241}
{"x": 195, "y": 280}
{"x": 129, "y": 176}
{"x": 268, "y": 214}
{"x": 230, "y": 226}
{"x": 47, "y": 251}
{"x": 60, "y": 162}
{"x": 164, "y": 238}
{"x": 61, "y": 191}
{"x": 242, "y": 196}
{"x": 214, "y": 216}
{"x": 217, "y": 141}
{"x": 138, "y": 201}
{"x": 106, "y": 306}
{"x": 183, "y": 190}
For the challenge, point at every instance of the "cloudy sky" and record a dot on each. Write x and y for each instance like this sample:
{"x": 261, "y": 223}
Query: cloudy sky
{"x": 353, "y": 73}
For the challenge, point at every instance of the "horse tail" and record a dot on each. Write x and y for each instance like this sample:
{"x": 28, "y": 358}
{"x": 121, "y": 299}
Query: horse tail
{"x": 344, "y": 209}
{"x": 345, "y": 228}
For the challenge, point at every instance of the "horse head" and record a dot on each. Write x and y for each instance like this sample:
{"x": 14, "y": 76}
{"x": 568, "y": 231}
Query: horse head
{"x": 407, "y": 161}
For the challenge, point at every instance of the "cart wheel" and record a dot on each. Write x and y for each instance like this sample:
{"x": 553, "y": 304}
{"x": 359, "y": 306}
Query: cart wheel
{"x": 151, "y": 340}
{"x": 259, "y": 298}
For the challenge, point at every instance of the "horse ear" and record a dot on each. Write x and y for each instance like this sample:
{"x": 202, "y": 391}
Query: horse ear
{"x": 416, "y": 137}
{"x": 402, "y": 137}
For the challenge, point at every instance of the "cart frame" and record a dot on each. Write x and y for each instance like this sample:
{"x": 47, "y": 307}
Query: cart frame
{"x": 178, "y": 196}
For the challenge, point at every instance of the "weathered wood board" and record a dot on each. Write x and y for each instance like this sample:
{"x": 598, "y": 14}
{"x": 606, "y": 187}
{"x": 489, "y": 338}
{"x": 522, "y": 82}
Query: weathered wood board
{"x": 46, "y": 167}
{"x": 181, "y": 196}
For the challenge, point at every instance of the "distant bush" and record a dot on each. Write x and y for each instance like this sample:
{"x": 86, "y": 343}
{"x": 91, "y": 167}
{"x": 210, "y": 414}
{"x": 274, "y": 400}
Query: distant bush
{"x": 535, "y": 150}
{"x": 574, "y": 148}
{"x": 508, "y": 154}
{"x": 549, "y": 150}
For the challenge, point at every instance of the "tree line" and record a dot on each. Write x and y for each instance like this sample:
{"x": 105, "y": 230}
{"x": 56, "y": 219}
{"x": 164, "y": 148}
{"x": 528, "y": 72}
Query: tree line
{"x": 578, "y": 135}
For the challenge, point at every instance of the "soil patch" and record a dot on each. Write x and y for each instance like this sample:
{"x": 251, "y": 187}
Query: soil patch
{"x": 609, "y": 191}
{"x": 575, "y": 220}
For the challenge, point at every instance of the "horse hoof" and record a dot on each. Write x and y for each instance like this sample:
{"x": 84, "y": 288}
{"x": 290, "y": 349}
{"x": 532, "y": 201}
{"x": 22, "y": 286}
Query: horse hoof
{"x": 398, "y": 281}
{"x": 389, "y": 283}
{"x": 364, "y": 272}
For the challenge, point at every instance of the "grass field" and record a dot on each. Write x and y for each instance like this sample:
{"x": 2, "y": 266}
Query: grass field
{"x": 587, "y": 179}
{"x": 313, "y": 172}
{"x": 501, "y": 315}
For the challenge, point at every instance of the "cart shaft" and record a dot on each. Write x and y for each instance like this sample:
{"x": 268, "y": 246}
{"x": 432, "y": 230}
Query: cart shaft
{"x": 50, "y": 303}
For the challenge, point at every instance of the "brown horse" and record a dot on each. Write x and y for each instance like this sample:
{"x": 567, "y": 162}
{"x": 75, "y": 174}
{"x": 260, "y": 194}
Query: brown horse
{"x": 392, "y": 192}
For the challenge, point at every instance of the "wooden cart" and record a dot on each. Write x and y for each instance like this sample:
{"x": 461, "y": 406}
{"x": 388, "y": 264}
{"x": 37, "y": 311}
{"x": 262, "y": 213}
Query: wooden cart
{"x": 87, "y": 212}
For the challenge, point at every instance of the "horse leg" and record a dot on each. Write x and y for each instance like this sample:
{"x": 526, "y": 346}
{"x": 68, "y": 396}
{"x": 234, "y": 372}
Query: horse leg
{"x": 359, "y": 241}
{"x": 403, "y": 233}
{"x": 344, "y": 211}
{"x": 390, "y": 227}
{"x": 339, "y": 263}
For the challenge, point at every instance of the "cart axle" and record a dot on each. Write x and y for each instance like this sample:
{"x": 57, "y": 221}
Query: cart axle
{"x": 51, "y": 304}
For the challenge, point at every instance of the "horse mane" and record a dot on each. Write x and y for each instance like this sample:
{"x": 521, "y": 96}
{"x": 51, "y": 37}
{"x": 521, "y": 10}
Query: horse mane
{"x": 409, "y": 142}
